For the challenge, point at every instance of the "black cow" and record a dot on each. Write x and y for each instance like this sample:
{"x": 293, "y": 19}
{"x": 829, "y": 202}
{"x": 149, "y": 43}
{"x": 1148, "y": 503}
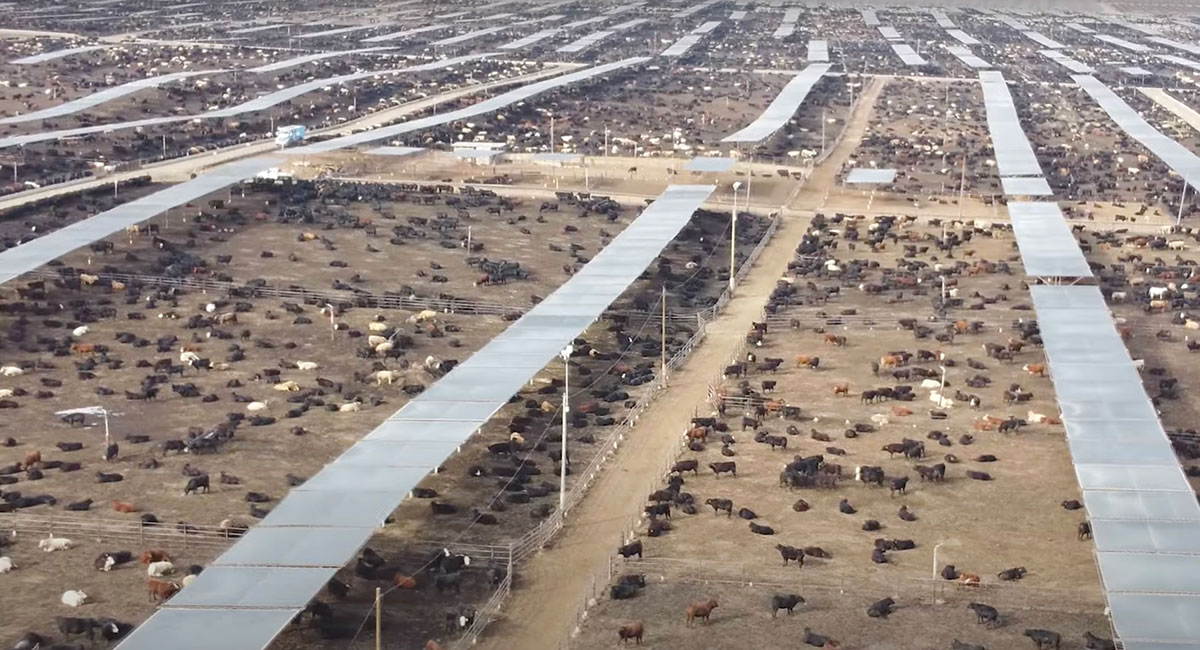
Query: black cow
{"x": 195, "y": 484}
{"x": 788, "y": 602}
{"x": 881, "y": 608}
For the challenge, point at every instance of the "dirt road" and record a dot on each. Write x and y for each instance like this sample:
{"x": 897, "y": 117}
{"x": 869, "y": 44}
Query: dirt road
{"x": 551, "y": 585}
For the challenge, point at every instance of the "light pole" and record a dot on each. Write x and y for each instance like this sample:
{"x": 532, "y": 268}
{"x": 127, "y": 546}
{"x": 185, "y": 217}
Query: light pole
{"x": 332, "y": 325}
{"x": 566, "y": 407}
{"x": 606, "y": 142}
{"x": 1182, "y": 196}
{"x": 942, "y": 392}
{"x": 935, "y": 564}
{"x": 733, "y": 238}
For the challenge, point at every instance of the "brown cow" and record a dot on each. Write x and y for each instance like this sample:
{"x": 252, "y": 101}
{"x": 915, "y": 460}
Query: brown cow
{"x": 841, "y": 389}
{"x": 83, "y": 348}
{"x": 1035, "y": 369}
{"x": 631, "y": 631}
{"x": 968, "y": 580}
{"x": 404, "y": 582}
{"x": 154, "y": 556}
{"x": 32, "y": 459}
{"x": 982, "y": 425}
{"x": 805, "y": 360}
{"x": 161, "y": 590}
{"x": 835, "y": 339}
{"x": 124, "y": 506}
{"x": 698, "y": 433}
{"x": 889, "y": 361}
{"x": 900, "y": 410}
{"x": 700, "y": 609}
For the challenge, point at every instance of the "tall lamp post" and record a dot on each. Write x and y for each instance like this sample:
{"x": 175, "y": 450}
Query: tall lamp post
{"x": 733, "y": 238}
{"x": 566, "y": 407}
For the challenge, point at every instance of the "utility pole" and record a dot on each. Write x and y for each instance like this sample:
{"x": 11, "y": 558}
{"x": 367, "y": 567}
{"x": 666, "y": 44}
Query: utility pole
{"x": 822, "y": 134}
{"x": 378, "y": 619}
{"x": 962, "y": 186}
{"x": 664, "y": 334}
{"x": 566, "y": 407}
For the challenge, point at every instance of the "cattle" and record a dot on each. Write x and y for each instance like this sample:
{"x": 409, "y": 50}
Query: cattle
{"x": 6, "y": 564}
{"x": 869, "y": 474}
{"x": 107, "y": 561}
{"x": 785, "y": 601}
{"x": 985, "y": 614}
{"x": 818, "y": 641}
{"x": 74, "y": 598}
{"x": 1015, "y": 573}
{"x": 936, "y": 473}
{"x": 721, "y": 504}
{"x": 660, "y": 509}
{"x": 791, "y": 553}
{"x": 1044, "y": 639}
{"x": 161, "y": 590}
{"x": 70, "y": 626}
{"x": 196, "y": 484}
{"x": 761, "y": 530}
{"x": 160, "y": 569}
{"x": 726, "y": 467}
{"x": 447, "y": 581}
{"x": 686, "y": 466}
{"x": 631, "y": 549}
{"x": 1093, "y": 642}
{"x": 633, "y": 631}
{"x": 898, "y": 485}
{"x": 881, "y": 608}
{"x": 806, "y": 361}
{"x": 1035, "y": 369}
{"x": 109, "y": 477}
{"x": 978, "y": 476}
{"x": 700, "y": 609}
{"x": 967, "y": 579}
{"x": 1084, "y": 530}
{"x": 51, "y": 544}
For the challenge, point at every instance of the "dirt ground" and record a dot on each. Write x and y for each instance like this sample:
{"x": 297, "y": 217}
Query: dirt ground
{"x": 743, "y": 619}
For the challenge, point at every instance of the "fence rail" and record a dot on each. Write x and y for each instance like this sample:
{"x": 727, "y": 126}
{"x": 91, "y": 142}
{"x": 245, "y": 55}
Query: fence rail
{"x": 101, "y": 529}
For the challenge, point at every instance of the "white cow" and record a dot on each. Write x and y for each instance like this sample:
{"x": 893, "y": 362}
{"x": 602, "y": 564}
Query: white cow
{"x": 254, "y": 407}
{"x": 51, "y": 544}
{"x": 79, "y": 331}
{"x": 188, "y": 357}
{"x": 306, "y": 365}
{"x": 389, "y": 376}
{"x": 376, "y": 326}
{"x": 74, "y": 598}
{"x": 350, "y": 407}
{"x": 11, "y": 371}
{"x": 6, "y": 564}
{"x": 160, "y": 569}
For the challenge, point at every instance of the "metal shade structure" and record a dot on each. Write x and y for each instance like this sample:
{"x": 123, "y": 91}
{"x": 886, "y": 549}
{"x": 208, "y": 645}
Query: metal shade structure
{"x": 1144, "y": 515}
{"x": 58, "y": 54}
{"x": 311, "y": 58}
{"x": 708, "y": 164}
{"x": 1014, "y": 154}
{"x": 1043, "y": 40}
{"x": 486, "y": 106}
{"x": 908, "y": 55}
{"x": 588, "y": 40}
{"x": 29, "y": 256}
{"x": 391, "y": 36}
{"x": 867, "y": 176}
{"x": 963, "y": 37}
{"x": 967, "y": 57}
{"x": 1067, "y": 62}
{"x": 1122, "y": 43}
{"x": 869, "y": 17}
{"x": 1176, "y": 156}
{"x": 783, "y": 107}
{"x": 275, "y": 569}
{"x": 1027, "y": 186}
{"x": 107, "y": 95}
{"x": 818, "y": 51}
{"x": 1048, "y": 249}
{"x": 395, "y": 151}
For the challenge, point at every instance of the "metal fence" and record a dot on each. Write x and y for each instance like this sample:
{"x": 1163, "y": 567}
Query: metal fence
{"x": 175, "y": 536}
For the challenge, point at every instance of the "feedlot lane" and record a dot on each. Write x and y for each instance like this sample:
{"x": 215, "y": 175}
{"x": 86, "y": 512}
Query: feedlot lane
{"x": 545, "y": 601}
